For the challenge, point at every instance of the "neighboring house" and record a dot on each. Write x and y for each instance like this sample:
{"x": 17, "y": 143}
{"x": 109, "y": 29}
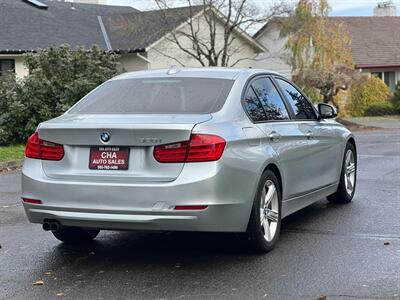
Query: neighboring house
{"x": 276, "y": 58}
{"x": 375, "y": 46}
{"x": 148, "y": 33}
{"x": 141, "y": 38}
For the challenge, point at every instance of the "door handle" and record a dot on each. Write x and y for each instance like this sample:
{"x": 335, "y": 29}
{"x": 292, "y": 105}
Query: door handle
{"x": 310, "y": 135}
{"x": 274, "y": 136}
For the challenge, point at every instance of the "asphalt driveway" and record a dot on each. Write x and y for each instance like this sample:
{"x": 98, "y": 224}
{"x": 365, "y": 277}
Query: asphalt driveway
{"x": 337, "y": 251}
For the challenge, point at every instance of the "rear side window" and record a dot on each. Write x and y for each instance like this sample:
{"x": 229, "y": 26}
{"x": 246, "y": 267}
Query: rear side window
{"x": 302, "y": 109}
{"x": 156, "y": 96}
{"x": 253, "y": 106}
{"x": 270, "y": 99}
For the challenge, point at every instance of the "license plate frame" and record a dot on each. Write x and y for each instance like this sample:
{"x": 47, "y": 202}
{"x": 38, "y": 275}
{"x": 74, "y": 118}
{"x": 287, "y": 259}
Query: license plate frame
{"x": 109, "y": 158}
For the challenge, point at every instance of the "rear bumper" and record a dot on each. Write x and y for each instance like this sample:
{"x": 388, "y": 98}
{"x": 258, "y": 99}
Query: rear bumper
{"x": 227, "y": 193}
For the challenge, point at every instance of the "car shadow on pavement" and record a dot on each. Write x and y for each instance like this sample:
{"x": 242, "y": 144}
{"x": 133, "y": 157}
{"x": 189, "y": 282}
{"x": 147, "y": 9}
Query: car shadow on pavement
{"x": 137, "y": 256}
{"x": 124, "y": 246}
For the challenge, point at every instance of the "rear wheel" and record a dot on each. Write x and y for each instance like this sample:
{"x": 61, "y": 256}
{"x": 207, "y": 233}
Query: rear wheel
{"x": 348, "y": 176}
{"x": 265, "y": 220}
{"x": 75, "y": 235}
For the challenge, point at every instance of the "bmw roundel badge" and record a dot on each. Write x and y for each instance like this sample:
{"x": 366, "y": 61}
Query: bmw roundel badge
{"x": 105, "y": 137}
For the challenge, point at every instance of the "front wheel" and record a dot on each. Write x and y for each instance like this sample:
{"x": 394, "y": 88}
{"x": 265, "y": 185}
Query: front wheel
{"x": 75, "y": 235}
{"x": 348, "y": 177}
{"x": 265, "y": 220}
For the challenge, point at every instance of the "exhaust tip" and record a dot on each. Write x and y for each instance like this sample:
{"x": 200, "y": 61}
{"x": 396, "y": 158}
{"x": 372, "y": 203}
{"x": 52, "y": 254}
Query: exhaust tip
{"x": 46, "y": 226}
{"x": 53, "y": 226}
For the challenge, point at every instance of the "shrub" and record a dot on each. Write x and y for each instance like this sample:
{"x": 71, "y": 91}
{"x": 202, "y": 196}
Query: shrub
{"x": 380, "y": 109}
{"x": 58, "y": 78}
{"x": 396, "y": 98}
{"x": 13, "y": 108}
{"x": 371, "y": 91}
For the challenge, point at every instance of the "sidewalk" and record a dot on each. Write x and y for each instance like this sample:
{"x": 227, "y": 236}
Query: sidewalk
{"x": 386, "y": 122}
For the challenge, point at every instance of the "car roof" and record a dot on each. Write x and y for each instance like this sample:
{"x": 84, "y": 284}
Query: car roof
{"x": 203, "y": 72}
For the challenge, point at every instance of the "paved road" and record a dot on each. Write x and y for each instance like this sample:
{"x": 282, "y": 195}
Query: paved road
{"x": 325, "y": 249}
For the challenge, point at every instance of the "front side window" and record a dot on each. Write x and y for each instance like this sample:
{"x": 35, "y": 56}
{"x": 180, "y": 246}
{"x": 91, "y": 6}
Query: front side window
{"x": 270, "y": 99}
{"x": 253, "y": 106}
{"x": 156, "y": 96}
{"x": 302, "y": 109}
{"x": 6, "y": 65}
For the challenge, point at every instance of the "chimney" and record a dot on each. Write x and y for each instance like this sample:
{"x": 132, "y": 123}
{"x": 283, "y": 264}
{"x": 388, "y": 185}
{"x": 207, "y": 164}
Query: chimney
{"x": 385, "y": 9}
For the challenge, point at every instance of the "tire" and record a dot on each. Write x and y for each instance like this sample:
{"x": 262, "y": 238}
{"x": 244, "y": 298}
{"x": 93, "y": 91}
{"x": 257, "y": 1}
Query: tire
{"x": 348, "y": 177}
{"x": 268, "y": 188}
{"x": 75, "y": 235}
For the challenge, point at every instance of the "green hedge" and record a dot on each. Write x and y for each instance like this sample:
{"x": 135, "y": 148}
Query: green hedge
{"x": 396, "y": 98}
{"x": 58, "y": 78}
{"x": 370, "y": 92}
{"x": 380, "y": 109}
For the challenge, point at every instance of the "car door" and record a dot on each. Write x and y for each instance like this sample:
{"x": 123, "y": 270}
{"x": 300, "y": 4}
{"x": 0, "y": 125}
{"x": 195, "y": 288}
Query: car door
{"x": 270, "y": 113}
{"x": 319, "y": 159}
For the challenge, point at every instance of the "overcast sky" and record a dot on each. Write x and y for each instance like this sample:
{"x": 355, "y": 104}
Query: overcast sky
{"x": 339, "y": 7}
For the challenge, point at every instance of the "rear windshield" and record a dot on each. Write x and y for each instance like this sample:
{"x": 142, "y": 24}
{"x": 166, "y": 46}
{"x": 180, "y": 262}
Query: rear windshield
{"x": 156, "y": 96}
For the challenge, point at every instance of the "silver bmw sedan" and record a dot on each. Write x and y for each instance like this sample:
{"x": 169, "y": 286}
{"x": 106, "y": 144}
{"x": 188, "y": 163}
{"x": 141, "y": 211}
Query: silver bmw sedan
{"x": 208, "y": 149}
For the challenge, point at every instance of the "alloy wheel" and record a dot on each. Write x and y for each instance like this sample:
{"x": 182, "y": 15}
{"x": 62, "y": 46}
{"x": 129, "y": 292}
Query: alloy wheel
{"x": 349, "y": 172}
{"x": 269, "y": 210}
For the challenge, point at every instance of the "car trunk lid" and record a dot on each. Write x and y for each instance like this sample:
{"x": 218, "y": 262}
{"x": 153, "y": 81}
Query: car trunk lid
{"x": 137, "y": 133}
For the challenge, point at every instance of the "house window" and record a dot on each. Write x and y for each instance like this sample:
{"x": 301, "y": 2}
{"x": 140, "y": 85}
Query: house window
{"x": 390, "y": 80}
{"x": 388, "y": 77}
{"x": 377, "y": 74}
{"x": 7, "y": 65}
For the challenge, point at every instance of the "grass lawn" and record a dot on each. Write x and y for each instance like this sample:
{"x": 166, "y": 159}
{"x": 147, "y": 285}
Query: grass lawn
{"x": 9, "y": 153}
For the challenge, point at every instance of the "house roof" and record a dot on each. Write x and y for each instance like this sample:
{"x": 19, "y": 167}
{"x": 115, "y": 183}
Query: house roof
{"x": 135, "y": 31}
{"x": 24, "y": 27}
{"x": 375, "y": 40}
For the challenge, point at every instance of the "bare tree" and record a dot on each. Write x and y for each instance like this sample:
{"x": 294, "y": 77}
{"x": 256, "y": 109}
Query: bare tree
{"x": 330, "y": 82}
{"x": 213, "y": 27}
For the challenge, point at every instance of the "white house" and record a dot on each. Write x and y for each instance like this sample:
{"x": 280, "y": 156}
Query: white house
{"x": 141, "y": 38}
{"x": 375, "y": 45}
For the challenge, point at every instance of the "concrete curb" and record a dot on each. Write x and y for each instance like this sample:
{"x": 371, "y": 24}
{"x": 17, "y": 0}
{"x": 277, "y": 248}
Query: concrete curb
{"x": 353, "y": 126}
{"x": 11, "y": 165}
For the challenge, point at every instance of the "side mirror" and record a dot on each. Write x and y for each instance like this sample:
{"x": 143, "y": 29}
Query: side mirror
{"x": 326, "y": 111}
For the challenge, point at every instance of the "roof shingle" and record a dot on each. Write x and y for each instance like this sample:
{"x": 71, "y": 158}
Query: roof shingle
{"x": 26, "y": 28}
{"x": 139, "y": 30}
{"x": 375, "y": 41}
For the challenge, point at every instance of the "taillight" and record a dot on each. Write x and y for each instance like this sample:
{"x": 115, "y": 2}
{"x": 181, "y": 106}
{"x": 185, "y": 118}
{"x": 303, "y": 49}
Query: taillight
{"x": 171, "y": 153}
{"x": 200, "y": 148}
{"x": 205, "y": 147}
{"x": 40, "y": 149}
{"x": 32, "y": 201}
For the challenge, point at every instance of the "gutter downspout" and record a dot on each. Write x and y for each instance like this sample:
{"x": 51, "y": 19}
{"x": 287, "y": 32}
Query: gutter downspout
{"x": 104, "y": 32}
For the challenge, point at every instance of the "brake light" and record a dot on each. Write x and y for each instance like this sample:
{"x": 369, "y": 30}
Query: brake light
{"x": 171, "y": 153}
{"x": 40, "y": 149}
{"x": 205, "y": 147}
{"x": 200, "y": 148}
